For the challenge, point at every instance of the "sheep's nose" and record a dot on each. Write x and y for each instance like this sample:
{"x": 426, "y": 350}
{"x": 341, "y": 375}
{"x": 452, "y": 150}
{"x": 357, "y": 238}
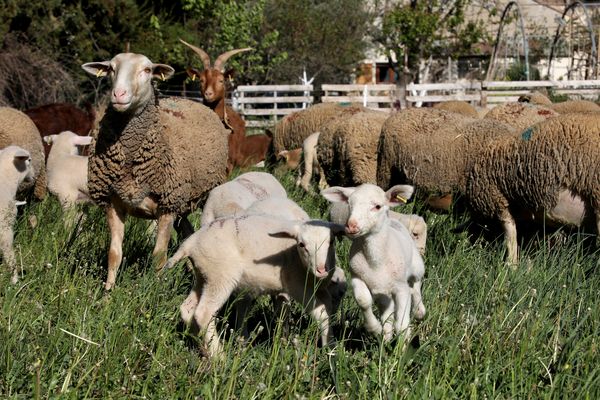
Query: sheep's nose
{"x": 119, "y": 93}
{"x": 352, "y": 226}
{"x": 322, "y": 269}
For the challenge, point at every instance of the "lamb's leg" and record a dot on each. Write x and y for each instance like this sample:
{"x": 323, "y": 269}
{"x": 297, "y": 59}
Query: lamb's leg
{"x": 363, "y": 297}
{"x": 115, "y": 217}
{"x": 417, "y": 300}
{"x": 308, "y": 170}
{"x": 211, "y": 300}
{"x": 510, "y": 236}
{"x": 319, "y": 306}
{"x": 188, "y": 307}
{"x": 163, "y": 235}
{"x": 6, "y": 249}
{"x": 386, "y": 305}
{"x": 402, "y": 299}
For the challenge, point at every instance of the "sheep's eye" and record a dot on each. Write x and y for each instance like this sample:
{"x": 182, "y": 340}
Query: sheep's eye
{"x": 148, "y": 70}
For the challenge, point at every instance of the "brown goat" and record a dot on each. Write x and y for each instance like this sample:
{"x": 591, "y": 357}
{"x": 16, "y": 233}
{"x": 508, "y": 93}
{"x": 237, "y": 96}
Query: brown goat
{"x": 52, "y": 119}
{"x": 244, "y": 151}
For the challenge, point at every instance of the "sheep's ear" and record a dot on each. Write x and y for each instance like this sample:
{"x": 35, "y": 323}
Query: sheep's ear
{"x": 162, "y": 71}
{"x": 399, "y": 194}
{"x": 98, "y": 68}
{"x": 49, "y": 139}
{"x": 81, "y": 140}
{"x": 337, "y": 193}
{"x": 193, "y": 73}
{"x": 283, "y": 154}
{"x": 287, "y": 230}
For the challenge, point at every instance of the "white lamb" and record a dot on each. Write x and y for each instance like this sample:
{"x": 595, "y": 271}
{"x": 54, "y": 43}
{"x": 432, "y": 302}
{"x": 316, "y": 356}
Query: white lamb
{"x": 66, "y": 169}
{"x": 234, "y": 196}
{"x": 263, "y": 255}
{"x": 416, "y": 225}
{"x": 15, "y": 168}
{"x": 385, "y": 263}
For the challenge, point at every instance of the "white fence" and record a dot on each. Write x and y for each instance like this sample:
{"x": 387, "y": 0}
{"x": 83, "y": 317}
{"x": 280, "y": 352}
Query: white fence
{"x": 264, "y": 105}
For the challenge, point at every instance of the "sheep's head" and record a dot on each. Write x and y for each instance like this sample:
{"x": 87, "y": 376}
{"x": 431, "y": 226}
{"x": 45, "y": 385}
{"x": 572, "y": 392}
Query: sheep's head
{"x": 315, "y": 242}
{"x": 212, "y": 79}
{"x": 131, "y": 75}
{"x": 15, "y": 164}
{"x": 369, "y": 205}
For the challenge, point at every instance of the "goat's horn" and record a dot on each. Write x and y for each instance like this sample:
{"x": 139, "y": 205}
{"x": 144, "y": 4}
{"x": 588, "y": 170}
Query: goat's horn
{"x": 222, "y": 59}
{"x": 201, "y": 53}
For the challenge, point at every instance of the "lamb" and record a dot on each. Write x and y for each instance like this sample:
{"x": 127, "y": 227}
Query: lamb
{"x": 18, "y": 129}
{"x": 153, "y": 159}
{"x": 244, "y": 151}
{"x": 67, "y": 170}
{"x": 433, "y": 149}
{"x": 234, "y": 196}
{"x": 15, "y": 168}
{"x": 550, "y": 172}
{"x": 264, "y": 255}
{"x": 54, "y": 118}
{"x": 311, "y": 162}
{"x": 459, "y": 107}
{"x": 291, "y": 131}
{"x": 385, "y": 263}
{"x": 416, "y": 225}
{"x": 520, "y": 115}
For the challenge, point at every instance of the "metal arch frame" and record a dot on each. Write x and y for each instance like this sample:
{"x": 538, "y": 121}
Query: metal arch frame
{"x": 590, "y": 27}
{"x": 492, "y": 65}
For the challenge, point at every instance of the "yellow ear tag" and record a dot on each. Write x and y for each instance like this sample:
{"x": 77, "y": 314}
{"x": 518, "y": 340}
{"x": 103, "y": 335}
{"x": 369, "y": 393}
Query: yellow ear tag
{"x": 162, "y": 76}
{"x": 193, "y": 77}
{"x": 402, "y": 199}
{"x": 98, "y": 73}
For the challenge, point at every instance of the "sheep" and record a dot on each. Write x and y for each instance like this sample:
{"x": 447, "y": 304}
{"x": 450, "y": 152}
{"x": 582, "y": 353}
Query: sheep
{"x": 520, "y": 115}
{"x": 66, "y": 169}
{"x": 244, "y": 151}
{"x": 54, "y": 118}
{"x": 385, "y": 263}
{"x": 416, "y": 225}
{"x": 550, "y": 173}
{"x": 432, "y": 149}
{"x": 569, "y": 106}
{"x": 153, "y": 159}
{"x": 459, "y": 107}
{"x": 262, "y": 254}
{"x": 15, "y": 168}
{"x": 18, "y": 129}
{"x": 347, "y": 149}
{"x": 291, "y": 131}
{"x": 233, "y": 197}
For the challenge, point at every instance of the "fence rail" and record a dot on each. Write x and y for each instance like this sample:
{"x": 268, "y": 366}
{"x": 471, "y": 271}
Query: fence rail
{"x": 264, "y": 105}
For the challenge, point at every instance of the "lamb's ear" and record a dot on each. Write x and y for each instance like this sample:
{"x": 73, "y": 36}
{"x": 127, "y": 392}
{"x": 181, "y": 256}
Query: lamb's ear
{"x": 287, "y": 229}
{"x": 337, "y": 193}
{"x": 162, "y": 71}
{"x": 399, "y": 194}
{"x": 193, "y": 73}
{"x": 49, "y": 139}
{"x": 21, "y": 158}
{"x": 81, "y": 140}
{"x": 97, "y": 68}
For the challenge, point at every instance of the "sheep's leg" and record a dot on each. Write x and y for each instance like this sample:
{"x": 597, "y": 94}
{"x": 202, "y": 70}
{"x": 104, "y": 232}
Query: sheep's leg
{"x": 386, "y": 305}
{"x": 163, "y": 235}
{"x": 115, "y": 216}
{"x": 417, "y": 300}
{"x": 322, "y": 181}
{"x": 211, "y": 301}
{"x": 363, "y": 297}
{"x": 402, "y": 300}
{"x": 510, "y": 236}
{"x": 6, "y": 247}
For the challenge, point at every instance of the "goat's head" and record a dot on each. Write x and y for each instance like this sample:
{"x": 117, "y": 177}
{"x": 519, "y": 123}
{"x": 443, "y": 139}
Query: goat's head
{"x": 131, "y": 75}
{"x": 212, "y": 79}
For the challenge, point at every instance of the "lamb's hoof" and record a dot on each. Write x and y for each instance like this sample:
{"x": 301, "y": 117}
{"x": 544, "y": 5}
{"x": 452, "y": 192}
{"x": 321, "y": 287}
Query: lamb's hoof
{"x": 14, "y": 278}
{"x": 419, "y": 313}
{"x": 32, "y": 221}
{"x": 108, "y": 285}
{"x": 160, "y": 262}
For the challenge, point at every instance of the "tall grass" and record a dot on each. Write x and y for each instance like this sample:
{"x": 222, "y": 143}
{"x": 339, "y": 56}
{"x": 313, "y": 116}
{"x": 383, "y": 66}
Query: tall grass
{"x": 490, "y": 331}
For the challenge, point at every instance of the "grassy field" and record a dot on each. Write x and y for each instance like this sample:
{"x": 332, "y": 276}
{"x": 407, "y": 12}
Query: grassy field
{"x": 491, "y": 332}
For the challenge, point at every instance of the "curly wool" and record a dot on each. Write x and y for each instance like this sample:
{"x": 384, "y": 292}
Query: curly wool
{"x": 575, "y": 106}
{"x": 459, "y": 107}
{"x": 347, "y": 148}
{"x": 16, "y": 128}
{"x": 291, "y": 131}
{"x": 531, "y": 168}
{"x": 437, "y": 154}
{"x": 174, "y": 152}
{"x": 520, "y": 115}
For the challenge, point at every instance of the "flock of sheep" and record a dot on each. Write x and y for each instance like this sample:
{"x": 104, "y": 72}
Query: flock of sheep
{"x": 159, "y": 159}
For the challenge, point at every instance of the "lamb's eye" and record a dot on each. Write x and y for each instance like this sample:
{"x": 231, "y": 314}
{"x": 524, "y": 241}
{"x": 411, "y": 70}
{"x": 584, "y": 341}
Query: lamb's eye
{"x": 377, "y": 207}
{"x": 148, "y": 70}
{"x": 301, "y": 245}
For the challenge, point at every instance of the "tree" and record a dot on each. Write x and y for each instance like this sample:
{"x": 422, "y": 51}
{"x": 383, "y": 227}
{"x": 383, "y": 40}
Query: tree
{"x": 414, "y": 31}
{"x": 327, "y": 37}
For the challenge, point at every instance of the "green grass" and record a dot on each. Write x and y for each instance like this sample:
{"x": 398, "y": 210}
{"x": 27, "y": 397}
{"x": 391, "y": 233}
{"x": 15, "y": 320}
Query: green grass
{"x": 490, "y": 331}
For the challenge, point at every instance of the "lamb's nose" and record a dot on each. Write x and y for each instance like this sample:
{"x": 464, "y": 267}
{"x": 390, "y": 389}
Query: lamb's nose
{"x": 352, "y": 226}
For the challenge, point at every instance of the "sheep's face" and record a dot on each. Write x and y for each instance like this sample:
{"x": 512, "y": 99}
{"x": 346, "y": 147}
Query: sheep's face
{"x": 15, "y": 162}
{"x": 368, "y": 204}
{"x": 131, "y": 75}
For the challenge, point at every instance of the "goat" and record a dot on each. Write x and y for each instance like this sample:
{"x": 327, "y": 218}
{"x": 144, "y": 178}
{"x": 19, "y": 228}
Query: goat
{"x": 244, "y": 151}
